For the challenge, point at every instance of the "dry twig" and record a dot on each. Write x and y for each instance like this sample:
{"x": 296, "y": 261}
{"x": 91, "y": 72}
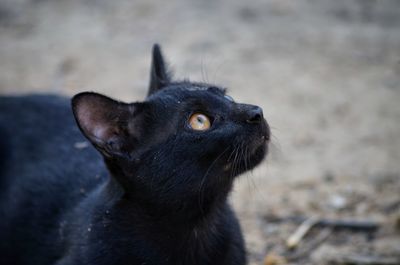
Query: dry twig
{"x": 294, "y": 240}
{"x": 357, "y": 225}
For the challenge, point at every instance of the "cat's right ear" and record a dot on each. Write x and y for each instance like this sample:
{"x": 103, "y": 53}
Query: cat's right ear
{"x": 106, "y": 123}
{"x": 159, "y": 74}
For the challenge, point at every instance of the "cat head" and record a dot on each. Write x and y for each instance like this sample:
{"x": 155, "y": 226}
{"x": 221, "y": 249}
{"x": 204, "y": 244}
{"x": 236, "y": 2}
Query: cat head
{"x": 180, "y": 147}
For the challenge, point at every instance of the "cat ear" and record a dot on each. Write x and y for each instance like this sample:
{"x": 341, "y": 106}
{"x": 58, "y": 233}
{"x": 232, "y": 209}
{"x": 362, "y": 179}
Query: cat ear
{"x": 106, "y": 123}
{"x": 159, "y": 75}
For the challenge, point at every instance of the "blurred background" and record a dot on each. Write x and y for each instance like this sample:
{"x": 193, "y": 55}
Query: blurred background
{"x": 327, "y": 74}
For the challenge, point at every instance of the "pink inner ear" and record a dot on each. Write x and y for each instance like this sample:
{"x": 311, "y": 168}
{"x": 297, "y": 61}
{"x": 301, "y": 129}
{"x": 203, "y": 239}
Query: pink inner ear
{"x": 101, "y": 119}
{"x": 94, "y": 124}
{"x": 101, "y": 132}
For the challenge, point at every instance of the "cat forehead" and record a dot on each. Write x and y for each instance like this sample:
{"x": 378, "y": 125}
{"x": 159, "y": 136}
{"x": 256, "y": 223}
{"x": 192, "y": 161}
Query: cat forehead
{"x": 200, "y": 88}
{"x": 187, "y": 86}
{"x": 188, "y": 90}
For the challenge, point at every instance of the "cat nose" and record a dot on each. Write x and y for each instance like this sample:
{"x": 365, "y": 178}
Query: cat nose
{"x": 255, "y": 115}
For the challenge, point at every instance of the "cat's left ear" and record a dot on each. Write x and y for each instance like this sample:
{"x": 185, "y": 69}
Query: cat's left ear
{"x": 159, "y": 74}
{"x": 111, "y": 126}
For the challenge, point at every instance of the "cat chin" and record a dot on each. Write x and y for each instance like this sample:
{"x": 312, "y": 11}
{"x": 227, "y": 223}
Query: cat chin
{"x": 260, "y": 153}
{"x": 257, "y": 156}
{"x": 247, "y": 161}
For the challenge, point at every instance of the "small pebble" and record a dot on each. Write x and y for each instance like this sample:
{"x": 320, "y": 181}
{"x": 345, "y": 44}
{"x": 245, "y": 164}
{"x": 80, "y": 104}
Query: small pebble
{"x": 338, "y": 202}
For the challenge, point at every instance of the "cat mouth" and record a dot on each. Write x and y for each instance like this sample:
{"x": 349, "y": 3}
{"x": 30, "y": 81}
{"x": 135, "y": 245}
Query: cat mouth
{"x": 247, "y": 156}
{"x": 250, "y": 152}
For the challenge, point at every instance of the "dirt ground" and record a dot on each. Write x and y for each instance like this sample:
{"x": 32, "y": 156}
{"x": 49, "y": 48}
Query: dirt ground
{"x": 327, "y": 74}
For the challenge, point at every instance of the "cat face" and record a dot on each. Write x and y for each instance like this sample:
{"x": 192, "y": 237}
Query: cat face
{"x": 238, "y": 133}
{"x": 184, "y": 143}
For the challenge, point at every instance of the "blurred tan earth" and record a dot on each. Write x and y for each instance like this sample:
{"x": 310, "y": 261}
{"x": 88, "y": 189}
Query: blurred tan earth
{"x": 327, "y": 74}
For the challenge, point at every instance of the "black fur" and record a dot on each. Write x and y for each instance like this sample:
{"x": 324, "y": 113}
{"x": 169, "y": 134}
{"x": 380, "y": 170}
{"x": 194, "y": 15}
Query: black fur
{"x": 159, "y": 197}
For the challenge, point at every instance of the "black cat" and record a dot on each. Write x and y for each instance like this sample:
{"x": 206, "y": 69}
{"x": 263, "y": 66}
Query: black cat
{"x": 160, "y": 198}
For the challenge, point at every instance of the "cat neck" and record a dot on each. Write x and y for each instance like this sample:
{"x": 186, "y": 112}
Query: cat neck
{"x": 184, "y": 205}
{"x": 189, "y": 213}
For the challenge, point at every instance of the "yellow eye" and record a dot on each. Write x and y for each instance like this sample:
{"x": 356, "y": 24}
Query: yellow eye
{"x": 199, "y": 122}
